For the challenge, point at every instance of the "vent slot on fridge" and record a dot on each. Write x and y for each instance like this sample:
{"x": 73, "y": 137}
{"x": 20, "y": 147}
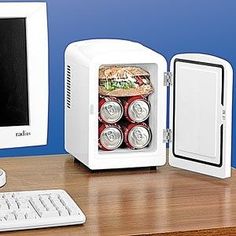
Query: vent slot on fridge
{"x": 126, "y": 84}
{"x": 68, "y": 86}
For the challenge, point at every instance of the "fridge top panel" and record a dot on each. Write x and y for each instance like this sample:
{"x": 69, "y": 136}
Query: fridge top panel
{"x": 93, "y": 48}
{"x": 96, "y": 52}
{"x": 199, "y": 103}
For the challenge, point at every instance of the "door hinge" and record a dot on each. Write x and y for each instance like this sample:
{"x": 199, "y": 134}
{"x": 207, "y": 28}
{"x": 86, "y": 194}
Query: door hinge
{"x": 168, "y": 78}
{"x": 167, "y": 135}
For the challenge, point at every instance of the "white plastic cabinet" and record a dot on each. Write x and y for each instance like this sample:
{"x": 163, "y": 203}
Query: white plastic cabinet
{"x": 200, "y": 108}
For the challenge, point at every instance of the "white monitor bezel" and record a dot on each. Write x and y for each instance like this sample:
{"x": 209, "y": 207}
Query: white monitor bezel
{"x": 37, "y": 71}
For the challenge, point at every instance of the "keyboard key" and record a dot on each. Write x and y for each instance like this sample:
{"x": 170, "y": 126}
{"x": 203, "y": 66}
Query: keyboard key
{"x": 63, "y": 212}
{"x": 20, "y": 216}
{"x": 47, "y": 214}
{"x": 10, "y": 217}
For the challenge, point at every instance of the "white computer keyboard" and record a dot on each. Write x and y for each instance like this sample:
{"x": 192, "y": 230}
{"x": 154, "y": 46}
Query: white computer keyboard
{"x": 38, "y": 209}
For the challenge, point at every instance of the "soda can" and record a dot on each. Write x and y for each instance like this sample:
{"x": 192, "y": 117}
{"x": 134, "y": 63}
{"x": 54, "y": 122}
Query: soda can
{"x": 137, "y": 109}
{"x": 137, "y": 136}
{"x": 110, "y": 137}
{"x": 110, "y": 110}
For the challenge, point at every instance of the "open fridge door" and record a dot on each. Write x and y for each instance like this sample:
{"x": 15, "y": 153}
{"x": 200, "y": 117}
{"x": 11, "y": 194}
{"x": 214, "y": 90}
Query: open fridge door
{"x": 200, "y": 114}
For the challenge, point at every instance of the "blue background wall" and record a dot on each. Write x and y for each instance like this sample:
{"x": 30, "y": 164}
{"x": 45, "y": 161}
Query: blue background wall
{"x": 167, "y": 26}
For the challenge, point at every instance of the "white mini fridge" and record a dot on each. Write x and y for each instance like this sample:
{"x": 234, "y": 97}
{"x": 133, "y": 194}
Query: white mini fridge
{"x": 200, "y": 95}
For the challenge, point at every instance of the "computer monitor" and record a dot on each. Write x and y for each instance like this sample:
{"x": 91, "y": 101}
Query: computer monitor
{"x": 23, "y": 74}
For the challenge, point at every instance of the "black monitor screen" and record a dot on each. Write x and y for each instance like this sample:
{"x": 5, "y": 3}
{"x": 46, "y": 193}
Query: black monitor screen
{"x": 14, "y": 107}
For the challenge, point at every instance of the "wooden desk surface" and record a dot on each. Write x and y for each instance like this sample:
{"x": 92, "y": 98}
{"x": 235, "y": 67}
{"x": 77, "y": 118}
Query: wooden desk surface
{"x": 167, "y": 201}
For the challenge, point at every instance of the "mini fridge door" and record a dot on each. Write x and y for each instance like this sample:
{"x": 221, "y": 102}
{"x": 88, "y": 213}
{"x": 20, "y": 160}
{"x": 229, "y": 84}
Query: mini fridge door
{"x": 200, "y": 114}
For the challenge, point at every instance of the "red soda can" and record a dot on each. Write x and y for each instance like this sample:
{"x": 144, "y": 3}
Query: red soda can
{"x": 110, "y": 110}
{"x": 110, "y": 137}
{"x": 137, "y": 109}
{"x": 137, "y": 136}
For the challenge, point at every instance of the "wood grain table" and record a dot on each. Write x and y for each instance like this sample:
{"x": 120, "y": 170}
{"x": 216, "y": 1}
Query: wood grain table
{"x": 142, "y": 201}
